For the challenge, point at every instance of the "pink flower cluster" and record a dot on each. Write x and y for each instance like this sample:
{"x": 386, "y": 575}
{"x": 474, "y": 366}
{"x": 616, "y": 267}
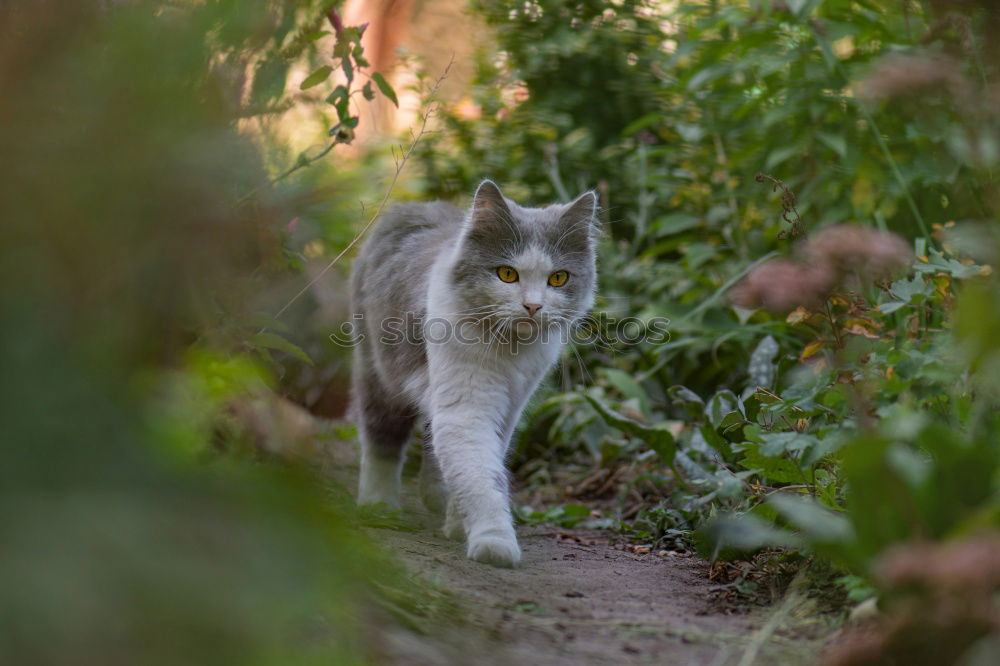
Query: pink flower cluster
{"x": 826, "y": 259}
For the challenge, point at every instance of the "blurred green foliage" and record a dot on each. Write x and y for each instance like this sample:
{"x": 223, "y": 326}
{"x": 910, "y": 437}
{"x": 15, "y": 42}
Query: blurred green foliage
{"x": 138, "y": 227}
{"x": 864, "y": 421}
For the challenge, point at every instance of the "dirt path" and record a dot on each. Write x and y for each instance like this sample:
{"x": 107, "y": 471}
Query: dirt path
{"x": 577, "y": 600}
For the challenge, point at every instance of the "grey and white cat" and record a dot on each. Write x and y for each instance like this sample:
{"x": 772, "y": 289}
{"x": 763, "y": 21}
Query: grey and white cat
{"x": 463, "y": 314}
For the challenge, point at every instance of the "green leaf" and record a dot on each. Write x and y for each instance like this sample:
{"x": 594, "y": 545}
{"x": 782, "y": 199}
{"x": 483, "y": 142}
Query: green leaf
{"x": 316, "y": 78}
{"x": 796, "y": 6}
{"x": 386, "y": 89}
{"x": 836, "y": 142}
{"x": 627, "y": 386}
{"x": 358, "y": 54}
{"x": 275, "y": 341}
{"x": 340, "y": 98}
{"x": 939, "y": 263}
{"x": 716, "y": 441}
{"x": 774, "y": 469}
{"x": 780, "y": 443}
{"x": 367, "y": 91}
{"x": 751, "y": 407}
{"x": 719, "y": 405}
{"x": 566, "y": 515}
{"x": 269, "y": 80}
{"x": 348, "y": 67}
{"x": 731, "y": 426}
{"x": 742, "y": 534}
{"x": 658, "y": 439}
{"x": 685, "y": 397}
{"x": 817, "y": 522}
{"x": 648, "y": 120}
{"x": 707, "y": 75}
{"x": 820, "y": 448}
{"x": 909, "y": 290}
{"x": 675, "y": 223}
{"x": 766, "y": 398}
{"x": 779, "y": 155}
{"x": 891, "y": 306}
{"x": 858, "y": 588}
{"x": 762, "y": 369}
{"x": 266, "y": 320}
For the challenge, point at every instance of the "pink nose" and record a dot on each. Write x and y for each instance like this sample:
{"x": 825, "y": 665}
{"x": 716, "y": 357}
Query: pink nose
{"x": 532, "y": 308}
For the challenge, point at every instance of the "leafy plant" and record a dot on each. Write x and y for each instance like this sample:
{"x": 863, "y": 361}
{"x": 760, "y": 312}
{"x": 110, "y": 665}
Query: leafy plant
{"x": 859, "y": 416}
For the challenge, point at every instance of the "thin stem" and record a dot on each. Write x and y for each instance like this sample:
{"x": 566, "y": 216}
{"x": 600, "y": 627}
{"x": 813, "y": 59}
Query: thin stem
{"x": 300, "y": 163}
{"x": 401, "y": 162}
{"x": 734, "y": 210}
{"x": 551, "y": 166}
{"x": 833, "y": 326}
{"x": 645, "y": 196}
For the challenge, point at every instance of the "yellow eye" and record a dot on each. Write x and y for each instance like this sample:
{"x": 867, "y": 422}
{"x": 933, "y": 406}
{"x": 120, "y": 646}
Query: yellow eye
{"x": 558, "y": 278}
{"x": 507, "y": 274}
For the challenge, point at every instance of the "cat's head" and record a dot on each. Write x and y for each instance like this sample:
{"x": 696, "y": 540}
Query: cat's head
{"x": 527, "y": 266}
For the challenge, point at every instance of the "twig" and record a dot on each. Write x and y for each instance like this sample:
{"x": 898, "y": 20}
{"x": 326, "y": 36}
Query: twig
{"x": 787, "y": 207}
{"x": 400, "y": 163}
{"x": 551, "y": 166}
{"x": 301, "y": 163}
{"x": 833, "y": 326}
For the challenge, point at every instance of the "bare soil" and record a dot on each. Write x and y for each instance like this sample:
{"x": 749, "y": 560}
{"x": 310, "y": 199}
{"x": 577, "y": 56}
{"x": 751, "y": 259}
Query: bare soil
{"x": 577, "y": 599}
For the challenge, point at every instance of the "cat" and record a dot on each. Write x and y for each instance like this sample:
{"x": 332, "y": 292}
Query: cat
{"x": 463, "y": 313}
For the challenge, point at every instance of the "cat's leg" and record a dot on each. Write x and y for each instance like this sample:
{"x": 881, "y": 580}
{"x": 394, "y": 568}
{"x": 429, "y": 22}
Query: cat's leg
{"x": 541, "y": 360}
{"x": 432, "y": 490}
{"x": 513, "y": 418}
{"x": 384, "y": 427}
{"x": 433, "y": 493}
{"x": 468, "y": 422}
{"x": 453, "y": 528}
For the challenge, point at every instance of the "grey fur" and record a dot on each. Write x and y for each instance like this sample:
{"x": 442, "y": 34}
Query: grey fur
{"x": 390, "y": 280}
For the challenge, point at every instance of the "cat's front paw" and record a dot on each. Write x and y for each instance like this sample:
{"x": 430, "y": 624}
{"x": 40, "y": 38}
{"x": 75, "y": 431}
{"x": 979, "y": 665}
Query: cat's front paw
{"x": 376, "y": 500}
{"x": 379, "y": 483}
{"x": 498, "y": 550}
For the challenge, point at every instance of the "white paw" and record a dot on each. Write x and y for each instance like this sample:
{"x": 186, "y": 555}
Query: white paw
{"x": 369, "y": 495}
{"x": 496, "y": 549}
{"x": 388, "y": 504}
{"x": 379, "y": 483}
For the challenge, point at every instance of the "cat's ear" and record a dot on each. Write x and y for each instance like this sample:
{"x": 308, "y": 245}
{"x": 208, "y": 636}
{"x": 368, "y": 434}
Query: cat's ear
{"x": 490, "y": 218}
{"x": 578, "y": 223}
{"x": 584, "y": 209}
{"x": 581, "y": 215}
{"x": 488, "y": 204}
